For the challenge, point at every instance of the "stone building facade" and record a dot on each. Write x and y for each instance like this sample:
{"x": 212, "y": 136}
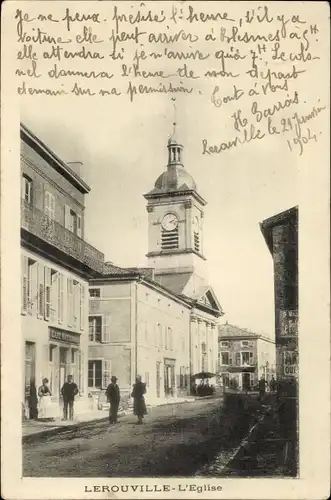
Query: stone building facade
{"x": 56, "y": 264}
{"x": 161, "y": 321}
{"x": 244, "y": 357}
{"x": 281, "y": 235}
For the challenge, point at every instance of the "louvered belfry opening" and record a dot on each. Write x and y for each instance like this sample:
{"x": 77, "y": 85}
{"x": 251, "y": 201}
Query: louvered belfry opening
{"x": 169, "y": 239}
{"x": 196, "y": 241}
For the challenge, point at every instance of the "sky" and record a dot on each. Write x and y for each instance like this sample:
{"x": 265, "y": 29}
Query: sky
{"x": 123, "y": 146}
{"x": 123, "y": 150}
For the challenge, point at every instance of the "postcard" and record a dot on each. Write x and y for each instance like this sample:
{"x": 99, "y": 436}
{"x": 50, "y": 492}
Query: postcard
{"x": 165, "y": 250}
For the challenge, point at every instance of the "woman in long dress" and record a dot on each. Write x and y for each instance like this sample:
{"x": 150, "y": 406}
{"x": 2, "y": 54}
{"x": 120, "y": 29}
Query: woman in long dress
{"x": 45, "y": 402}
{"x": 139, "y": 405}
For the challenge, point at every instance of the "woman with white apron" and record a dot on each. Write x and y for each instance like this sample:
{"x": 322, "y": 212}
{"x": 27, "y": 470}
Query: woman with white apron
{"x": 45, "y": 402}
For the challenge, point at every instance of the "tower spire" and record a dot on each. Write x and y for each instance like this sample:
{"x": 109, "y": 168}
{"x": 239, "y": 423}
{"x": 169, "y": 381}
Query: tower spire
{"x": 175, "y": 116}
{"x": 174, "y": 148}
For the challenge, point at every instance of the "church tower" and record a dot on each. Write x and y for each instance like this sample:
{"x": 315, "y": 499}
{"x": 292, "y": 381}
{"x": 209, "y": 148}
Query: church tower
{"x": 175, "y": 226}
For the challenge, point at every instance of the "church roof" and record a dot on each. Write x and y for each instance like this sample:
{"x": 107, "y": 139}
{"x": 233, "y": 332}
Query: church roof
{"x": 175, "y": 178}
{"x": 174, "y": 282}
{"x": 228, "y": 330}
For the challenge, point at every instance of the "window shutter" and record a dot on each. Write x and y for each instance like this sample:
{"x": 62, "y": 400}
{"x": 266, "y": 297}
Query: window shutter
{"x": 82, "y": 305}
{"x": 67, "y": 218}
{"x": 41, "y": 298}
{"x": 54, "y": 295}
{"x": 60, "y": 297}
{"x": 105, "y": 335}
{"x": 81, "y": 382}
{"x": 79, "y": 226}
{"x": 51, "y": 206}
{"x": 106, "y": 372}
{"x": 70, "y": 302}
{"x": 47, "y": 308}
{"x": 25, "y": 284}
{"x": 47, "y": 203}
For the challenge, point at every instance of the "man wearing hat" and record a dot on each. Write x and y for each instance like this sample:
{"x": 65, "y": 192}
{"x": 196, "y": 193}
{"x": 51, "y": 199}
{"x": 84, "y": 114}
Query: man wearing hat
{"x": 113, "y": 396}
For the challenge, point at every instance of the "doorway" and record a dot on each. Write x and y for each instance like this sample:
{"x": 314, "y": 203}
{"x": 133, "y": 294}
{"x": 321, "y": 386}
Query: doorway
{"x": 30, "y": 362}
{"x": 246, "y": 381}
{"x": 169, "y": 377}
{"x": 63, "y": 367}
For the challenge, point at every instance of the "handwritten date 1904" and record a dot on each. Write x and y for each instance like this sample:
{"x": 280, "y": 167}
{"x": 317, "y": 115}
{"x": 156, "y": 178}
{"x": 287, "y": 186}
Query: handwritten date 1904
{"x": 301, "y": 141}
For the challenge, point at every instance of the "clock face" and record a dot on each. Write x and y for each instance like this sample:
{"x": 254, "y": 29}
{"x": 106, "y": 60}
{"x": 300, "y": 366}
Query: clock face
{"x": 169, "y": 222}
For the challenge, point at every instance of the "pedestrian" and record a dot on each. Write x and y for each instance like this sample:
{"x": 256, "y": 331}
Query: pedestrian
{"x": 139, "y": 405}
{"x": 45, "y": 401}
{"x": 114, "y": 397}
{"x": 262, "y": 387}
{"x": 69, "y": 391}
{"x": 33, "y": 401}
{"x": 272, "y": 385}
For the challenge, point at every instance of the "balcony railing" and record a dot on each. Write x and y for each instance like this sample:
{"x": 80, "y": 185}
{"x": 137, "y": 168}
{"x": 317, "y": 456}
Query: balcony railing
{"x": 38, "y": 223}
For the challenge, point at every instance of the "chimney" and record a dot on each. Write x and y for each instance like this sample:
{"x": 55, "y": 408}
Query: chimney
{"x": 76, "y": 166}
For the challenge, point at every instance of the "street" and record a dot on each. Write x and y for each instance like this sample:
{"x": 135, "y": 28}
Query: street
{"x": 175, "y": 440}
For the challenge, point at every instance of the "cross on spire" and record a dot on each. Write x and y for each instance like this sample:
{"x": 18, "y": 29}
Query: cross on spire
{"x": 175, "y": 114}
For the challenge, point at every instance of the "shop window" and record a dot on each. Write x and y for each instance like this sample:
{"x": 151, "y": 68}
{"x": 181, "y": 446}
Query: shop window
{"x": 95, "y": 374}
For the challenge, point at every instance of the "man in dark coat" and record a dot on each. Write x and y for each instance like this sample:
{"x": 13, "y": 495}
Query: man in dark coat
{"x": 113, "y": 396}
{"x": 69, "y": 391}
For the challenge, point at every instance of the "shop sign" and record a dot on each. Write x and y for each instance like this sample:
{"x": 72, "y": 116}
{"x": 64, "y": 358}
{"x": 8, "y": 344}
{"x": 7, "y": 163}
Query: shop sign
{"x": 290, "y": 363}
{"x": 64, "y": 336}
{"x": 288, "y": 323}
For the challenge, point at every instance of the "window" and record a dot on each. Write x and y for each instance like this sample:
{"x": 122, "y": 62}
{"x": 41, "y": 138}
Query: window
{"x": 169, "y": 239}
{"x": 246, "y": 358}
{"x": 26, "y": 189}
{"x": 70, "y": 302}
{"x": 238, "y": 360}
{"x": 94, "y": 293}
{"x": 49, "y": 205}
{"x": 26, "y": 283}
{"x": 170, "y": 339}
{"x": 196, "y": 241}
{"x": 73, "y": 356}
{"x": 48, "y": 281}
{"x": 72, "y": 221}
{"x": 225, "y": 358}
{"x": 76, "y": 302}
{"x": 60, "y": 301}
{"x": 246, "y": 343}
{"x": 95, "y": 374}
{"x": 225, "y": 343}
{"x": 159, "y": 335}
{"x": 95, "y": 328}
{"x": 82, "y": 306}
